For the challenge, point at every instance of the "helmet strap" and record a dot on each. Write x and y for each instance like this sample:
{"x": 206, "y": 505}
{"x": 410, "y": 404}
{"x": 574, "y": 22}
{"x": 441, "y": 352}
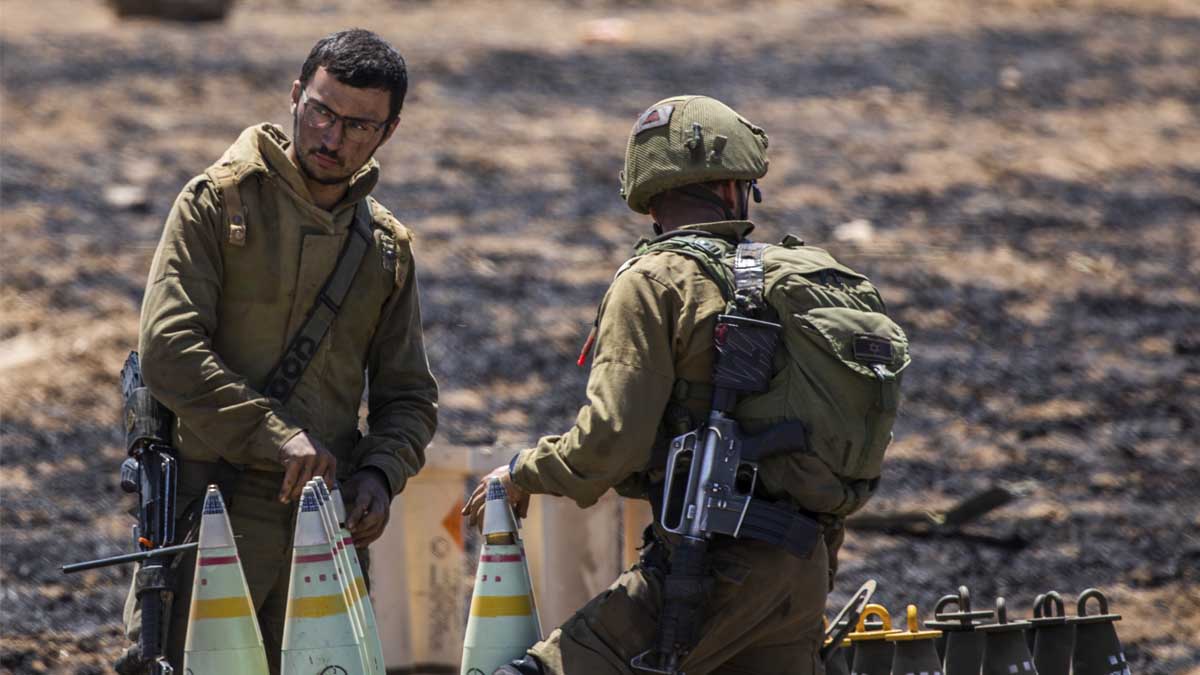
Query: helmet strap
{"x": 751, "y": 189}
{"x": 657, "y": 229}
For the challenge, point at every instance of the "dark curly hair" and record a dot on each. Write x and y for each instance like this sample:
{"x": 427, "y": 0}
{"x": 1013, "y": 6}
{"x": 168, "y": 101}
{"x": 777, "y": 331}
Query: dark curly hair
{"x": 362, "y": 59}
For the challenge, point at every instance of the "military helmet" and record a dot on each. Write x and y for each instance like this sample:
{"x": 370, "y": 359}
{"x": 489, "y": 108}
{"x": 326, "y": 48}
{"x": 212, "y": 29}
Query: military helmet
{"x": 689, "y": 139}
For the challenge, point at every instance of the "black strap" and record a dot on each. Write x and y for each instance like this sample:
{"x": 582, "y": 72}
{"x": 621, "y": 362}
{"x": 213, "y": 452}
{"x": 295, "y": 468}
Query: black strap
{"x": 765, "y": 521}
{"x": 286, "y": 374}
{"x": 793, "y": 531}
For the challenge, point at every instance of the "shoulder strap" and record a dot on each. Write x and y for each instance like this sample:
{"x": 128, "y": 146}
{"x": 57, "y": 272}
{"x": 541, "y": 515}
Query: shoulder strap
{"x": 748, "y": 278}
{"x": 286, "y": 374}
{"x": 708, "y": 250}
{"x": 226, "y": 181}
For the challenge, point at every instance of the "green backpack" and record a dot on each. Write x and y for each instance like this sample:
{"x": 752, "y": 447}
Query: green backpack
{"x": 840, "y": 360}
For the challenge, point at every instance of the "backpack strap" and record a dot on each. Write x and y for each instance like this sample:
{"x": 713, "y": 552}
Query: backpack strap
{"x": 708, "y": 250}
{"x": 749, "y": 284}
{"x": 286, "y": 374}
{"x": 226, "y": 181}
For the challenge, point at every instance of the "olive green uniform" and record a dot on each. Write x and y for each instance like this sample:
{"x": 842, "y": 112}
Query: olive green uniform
{"x": 227, "y": 289}
{"x": 654, "y": 341}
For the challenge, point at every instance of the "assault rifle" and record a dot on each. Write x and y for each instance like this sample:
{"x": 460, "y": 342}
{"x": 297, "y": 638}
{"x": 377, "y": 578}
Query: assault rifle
{"x": 150, "y": 471}
{"x": 709, "y": 488}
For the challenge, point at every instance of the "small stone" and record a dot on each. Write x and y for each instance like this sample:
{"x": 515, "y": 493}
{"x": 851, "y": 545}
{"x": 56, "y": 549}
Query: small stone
{"x": 1010, "y": 78}
{"x": 127, "y": 197}
{"x": 857, "y": 231}
{"x": 608, "y": 31}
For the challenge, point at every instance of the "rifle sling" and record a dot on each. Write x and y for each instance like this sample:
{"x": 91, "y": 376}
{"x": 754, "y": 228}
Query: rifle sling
{"x": 778, "y": 525}
{"x": 284, "y": 377}
{"x": 795, "y": 532}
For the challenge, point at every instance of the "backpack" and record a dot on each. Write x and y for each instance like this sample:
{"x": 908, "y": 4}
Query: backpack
{"x": 840, "y": 358}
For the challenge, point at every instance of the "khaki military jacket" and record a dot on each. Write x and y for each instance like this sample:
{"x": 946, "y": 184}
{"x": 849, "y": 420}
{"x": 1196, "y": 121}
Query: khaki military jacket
{"x": 654, "y": 334}
{"x": 221, "y": 306}
{"x": 655, "y": 326}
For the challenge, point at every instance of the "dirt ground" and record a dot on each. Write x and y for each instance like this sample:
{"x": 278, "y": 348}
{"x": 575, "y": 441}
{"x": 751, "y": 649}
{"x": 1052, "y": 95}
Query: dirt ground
{"x": 1021, "y": 178}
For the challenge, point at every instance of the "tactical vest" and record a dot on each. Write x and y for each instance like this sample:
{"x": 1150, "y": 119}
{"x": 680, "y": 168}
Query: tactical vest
{"x": 839, "y": 364}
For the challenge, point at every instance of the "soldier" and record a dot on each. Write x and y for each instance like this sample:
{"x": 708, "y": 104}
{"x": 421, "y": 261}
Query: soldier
{"x": 276, "y": 282}
{"x": 692, "y": 164}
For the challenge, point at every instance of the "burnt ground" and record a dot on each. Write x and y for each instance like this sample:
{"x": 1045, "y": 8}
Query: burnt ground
{"x": 1028, "y": 172}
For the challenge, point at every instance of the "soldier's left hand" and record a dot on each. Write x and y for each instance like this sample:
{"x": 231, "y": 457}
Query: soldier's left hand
{"x": 370, "y": 506}
{"x": 517, "y": 497}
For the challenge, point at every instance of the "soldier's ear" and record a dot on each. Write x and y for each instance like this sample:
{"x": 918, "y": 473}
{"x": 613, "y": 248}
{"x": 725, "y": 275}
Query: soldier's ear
{"x": 728, "y": 191}
{"x": 296, "y": 89}
{"x": 390, "y": 129}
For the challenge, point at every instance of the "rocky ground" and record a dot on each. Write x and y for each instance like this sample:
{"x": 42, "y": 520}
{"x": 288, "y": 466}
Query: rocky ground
{"x": 1020, "y": 177}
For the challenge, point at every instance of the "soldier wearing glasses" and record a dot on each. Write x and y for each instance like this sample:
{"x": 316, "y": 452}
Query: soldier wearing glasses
{"x": 243, "y": 258}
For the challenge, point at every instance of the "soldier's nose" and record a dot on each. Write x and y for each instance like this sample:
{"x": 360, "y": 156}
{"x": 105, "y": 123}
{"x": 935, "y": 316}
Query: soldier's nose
{"x": 332, "y": 138}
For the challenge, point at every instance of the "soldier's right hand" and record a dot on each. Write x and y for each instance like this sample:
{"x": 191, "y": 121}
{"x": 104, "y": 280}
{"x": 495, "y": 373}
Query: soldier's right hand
{"x": 302, "y": 459}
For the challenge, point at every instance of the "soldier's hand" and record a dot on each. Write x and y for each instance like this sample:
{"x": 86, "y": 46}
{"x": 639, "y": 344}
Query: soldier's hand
{"x": 517, "y": 497}
{"x": 302, "y": 458}
{"x": 371, "y": 505}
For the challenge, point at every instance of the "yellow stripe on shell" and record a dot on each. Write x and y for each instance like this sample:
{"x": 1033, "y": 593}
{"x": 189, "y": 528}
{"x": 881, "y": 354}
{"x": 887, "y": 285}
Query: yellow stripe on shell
{"x": 501, "y": 605}
{"x": 316, "y": 607}
{"x": 221, "y": 608}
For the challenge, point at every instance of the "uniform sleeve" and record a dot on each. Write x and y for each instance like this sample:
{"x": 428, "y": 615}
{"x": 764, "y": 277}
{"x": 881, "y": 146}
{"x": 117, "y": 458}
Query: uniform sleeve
{"x": 179, "y": 318}
{"x": 628, "y": 389}
{"x": 402, "y": 396}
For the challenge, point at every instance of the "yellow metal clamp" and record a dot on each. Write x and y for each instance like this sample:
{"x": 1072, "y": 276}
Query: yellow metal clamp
{"x": 861, "y": 633}
{"x": 914, "y": 631}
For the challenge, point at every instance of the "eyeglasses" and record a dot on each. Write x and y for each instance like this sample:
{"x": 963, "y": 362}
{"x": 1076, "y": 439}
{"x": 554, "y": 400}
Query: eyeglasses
{"x": 317, "y": 116}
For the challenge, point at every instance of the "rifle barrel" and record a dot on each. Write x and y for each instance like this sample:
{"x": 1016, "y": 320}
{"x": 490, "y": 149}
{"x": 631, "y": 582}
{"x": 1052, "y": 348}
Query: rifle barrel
{"x": 127, "y": 558}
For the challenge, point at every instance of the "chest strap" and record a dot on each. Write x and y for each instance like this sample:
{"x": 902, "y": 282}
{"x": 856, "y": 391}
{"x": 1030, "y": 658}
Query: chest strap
{"x": 286, "y": 374}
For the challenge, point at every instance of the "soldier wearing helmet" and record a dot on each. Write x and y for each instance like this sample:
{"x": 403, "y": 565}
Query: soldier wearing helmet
{"x": 692, "y": 164}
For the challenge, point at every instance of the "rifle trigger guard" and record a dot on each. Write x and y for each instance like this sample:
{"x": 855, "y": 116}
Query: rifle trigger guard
{"x": 737, "y": 530}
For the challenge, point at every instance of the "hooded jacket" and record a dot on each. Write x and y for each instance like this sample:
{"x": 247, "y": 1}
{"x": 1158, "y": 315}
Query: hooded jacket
{"x": 223, "y": 301}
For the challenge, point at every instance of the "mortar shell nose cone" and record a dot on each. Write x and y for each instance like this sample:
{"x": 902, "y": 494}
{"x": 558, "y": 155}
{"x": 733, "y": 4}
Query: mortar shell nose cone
{"x": 322, "y": 488}
{"x": 503, "y": 621}
{"x": 497, "y": 516}
{"x": 308, "y": 502}
{"x": 496, "y": 490}
{"x": 215, "y": 530}
{"x": 310, "y": 528}
{"x": 339, "y": 506}
{"x": 212, "y": 501}
{"x": 222, "y": 633}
